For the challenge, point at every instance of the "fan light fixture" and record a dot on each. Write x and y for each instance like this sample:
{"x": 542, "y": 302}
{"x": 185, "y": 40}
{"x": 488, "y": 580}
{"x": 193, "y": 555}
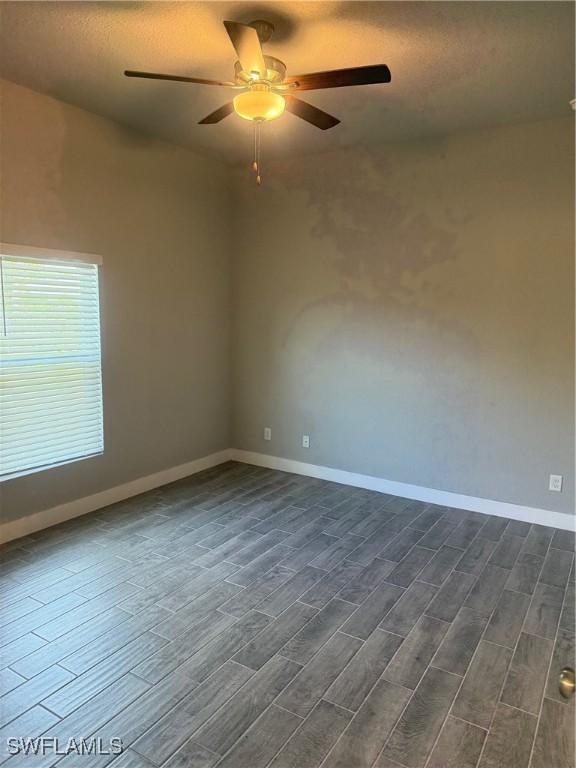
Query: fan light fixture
{"x": 259, "y": 103}
{"x": 266, "y": 89}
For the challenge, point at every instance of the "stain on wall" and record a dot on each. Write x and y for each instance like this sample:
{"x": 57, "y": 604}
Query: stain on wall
{"x": 411, "y": 308}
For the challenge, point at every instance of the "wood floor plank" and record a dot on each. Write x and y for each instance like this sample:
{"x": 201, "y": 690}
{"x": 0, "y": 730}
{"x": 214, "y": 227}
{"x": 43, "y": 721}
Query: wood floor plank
{"x": 485, "y": 593}
{"x": 249, "y": 553}
{"x": 544, "y": 612}
{"x": 247, "y": 705}
{"x": 554, "y": 745}
{"x": 195, "y": 611}
{"x": 476, "y": 556}
{"x": 410, "y": 566}
{"x": 14, "y": 652}
{"x": 10, "y": 680}
{"x": 458, "y": 647}
{"x": 459, "y": 745}
{"x": 37, "y": 618}
{"x": 506, "y": 551}
{"x": 197, "y": 585}
{"x": 306, "y": 690}
{"x": 353, "y": 685}
{"x": 170, "y": 732}
{"x": 507, "y": 620}
{"x": 567, "y": 617}
{"x": 291, "y": 590}
{"x": 47, "y": 654}
{"x": 329, "y": 586}
{"x": 406, "y": 612}
{"x": 319, "y": 732}
{"x": 366, "y": 734}
{"x": 417, "y": 730}
{"x": 138, "y": 638}
{"x": 33, "y": 691}
{"x": 538, "y": 540}
{"x": 172, "y": 654}
{"x": 34, "y": 722}
{"x": 365, "y": 582}
{"x": 564, "y": 655}
{"x": 510, "y": 727}
{"x": 331, "y": 557}
{"x": 564, "y": 540}
{"x": 316, "y": 632}
{"x": 557, "y": 568}
{"x": 246, "y": 576}
{"x": 205, "y": 661}
{"x": 79, "y": 615}
{"x": 436, "y": 536}
{"x": 465, "y": 533}
{"x": 261, "y": 743}
{"x": 440, "y": 566}
{"x": 258, "y": 651}
{"x": 412, "y": 659}
{"x": 494, "y": 528}
{"x": 478, "y": 697}
{"x": 368, "y": 616}
{"x": 373, "y": 546}
{"x": 135, "y": 719}
{"x": 401, "y": 545}
{"x": 258, "y": 591}
{"x": 450, "y": 597}
{"x": 526, "y": 678}
{"x": 303, "y": 556}
{"x": 525, "y": 573}
{"x": 518, "y": 528}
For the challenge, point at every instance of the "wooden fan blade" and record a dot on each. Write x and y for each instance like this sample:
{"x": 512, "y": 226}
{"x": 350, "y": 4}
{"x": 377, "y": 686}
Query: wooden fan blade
{"x": 176, "y": 78}
{"x": 247, "y": 45}
{"x": 310, "y": 113}
{"x": 218, "y": 114}
{"x": 338, "y": 78}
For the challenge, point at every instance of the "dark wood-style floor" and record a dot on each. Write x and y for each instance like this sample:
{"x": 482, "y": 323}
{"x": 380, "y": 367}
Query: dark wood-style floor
{"x": 245, "y": 618}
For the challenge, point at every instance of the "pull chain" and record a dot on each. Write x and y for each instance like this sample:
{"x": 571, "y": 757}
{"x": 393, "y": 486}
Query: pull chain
{"x": 257, "y": 164}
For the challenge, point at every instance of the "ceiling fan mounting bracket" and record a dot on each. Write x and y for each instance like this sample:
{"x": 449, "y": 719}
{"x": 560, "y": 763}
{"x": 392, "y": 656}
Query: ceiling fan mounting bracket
{"x": 265, "y": 29}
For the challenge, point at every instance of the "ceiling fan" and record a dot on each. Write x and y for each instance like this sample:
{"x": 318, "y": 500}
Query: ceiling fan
{"x": 265, "y": 89}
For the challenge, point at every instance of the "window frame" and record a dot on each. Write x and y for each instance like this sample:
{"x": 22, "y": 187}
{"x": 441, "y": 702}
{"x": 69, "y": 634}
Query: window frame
{"x": 14, "y": 250}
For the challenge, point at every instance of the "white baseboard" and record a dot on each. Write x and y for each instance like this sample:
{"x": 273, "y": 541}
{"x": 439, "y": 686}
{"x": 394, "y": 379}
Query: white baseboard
{"x": 14, "y": 529}
{"x": 416, "y": 492}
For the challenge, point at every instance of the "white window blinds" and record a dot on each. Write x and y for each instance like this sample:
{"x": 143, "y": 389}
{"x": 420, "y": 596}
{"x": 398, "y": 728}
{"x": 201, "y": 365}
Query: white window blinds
{"x": 50, "y": 372}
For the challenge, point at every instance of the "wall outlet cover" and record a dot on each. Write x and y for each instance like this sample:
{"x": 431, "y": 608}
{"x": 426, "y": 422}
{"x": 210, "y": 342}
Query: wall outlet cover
{"x": 305, "y": 441}
{"x": 555, "y": 483}
{"x": 267, "y": 433}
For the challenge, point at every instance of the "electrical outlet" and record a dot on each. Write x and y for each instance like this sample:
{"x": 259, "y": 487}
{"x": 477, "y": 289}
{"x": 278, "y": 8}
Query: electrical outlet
{"x": 555, "y": 483}
{"x": 267, "y": 433}
{"x": 305, "y": 441}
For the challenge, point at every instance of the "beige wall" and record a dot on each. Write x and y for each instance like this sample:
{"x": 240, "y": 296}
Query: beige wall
{"x": 411, "y": 308}
{"x": 158, "y": 215}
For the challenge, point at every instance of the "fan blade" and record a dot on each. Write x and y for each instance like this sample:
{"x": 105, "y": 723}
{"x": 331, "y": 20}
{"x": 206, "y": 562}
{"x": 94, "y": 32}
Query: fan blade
{"x": 247, "y": 45}
{"x": 310, "y": 113}
{"x": 176, "y": 78}
{"x": 338, "y": 78}
{"x": 218, "y": 114}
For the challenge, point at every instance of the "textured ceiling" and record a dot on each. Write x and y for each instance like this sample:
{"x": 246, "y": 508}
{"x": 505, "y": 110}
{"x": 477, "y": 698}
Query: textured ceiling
{"x": 455, "y": 65}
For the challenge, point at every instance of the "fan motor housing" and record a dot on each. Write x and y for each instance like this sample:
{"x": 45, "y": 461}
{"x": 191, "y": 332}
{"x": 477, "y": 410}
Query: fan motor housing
{"x": 275, "y": 71}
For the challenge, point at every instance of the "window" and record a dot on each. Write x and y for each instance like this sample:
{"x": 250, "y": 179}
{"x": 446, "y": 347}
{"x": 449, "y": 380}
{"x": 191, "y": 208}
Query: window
{"x": 50, "y": 371}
